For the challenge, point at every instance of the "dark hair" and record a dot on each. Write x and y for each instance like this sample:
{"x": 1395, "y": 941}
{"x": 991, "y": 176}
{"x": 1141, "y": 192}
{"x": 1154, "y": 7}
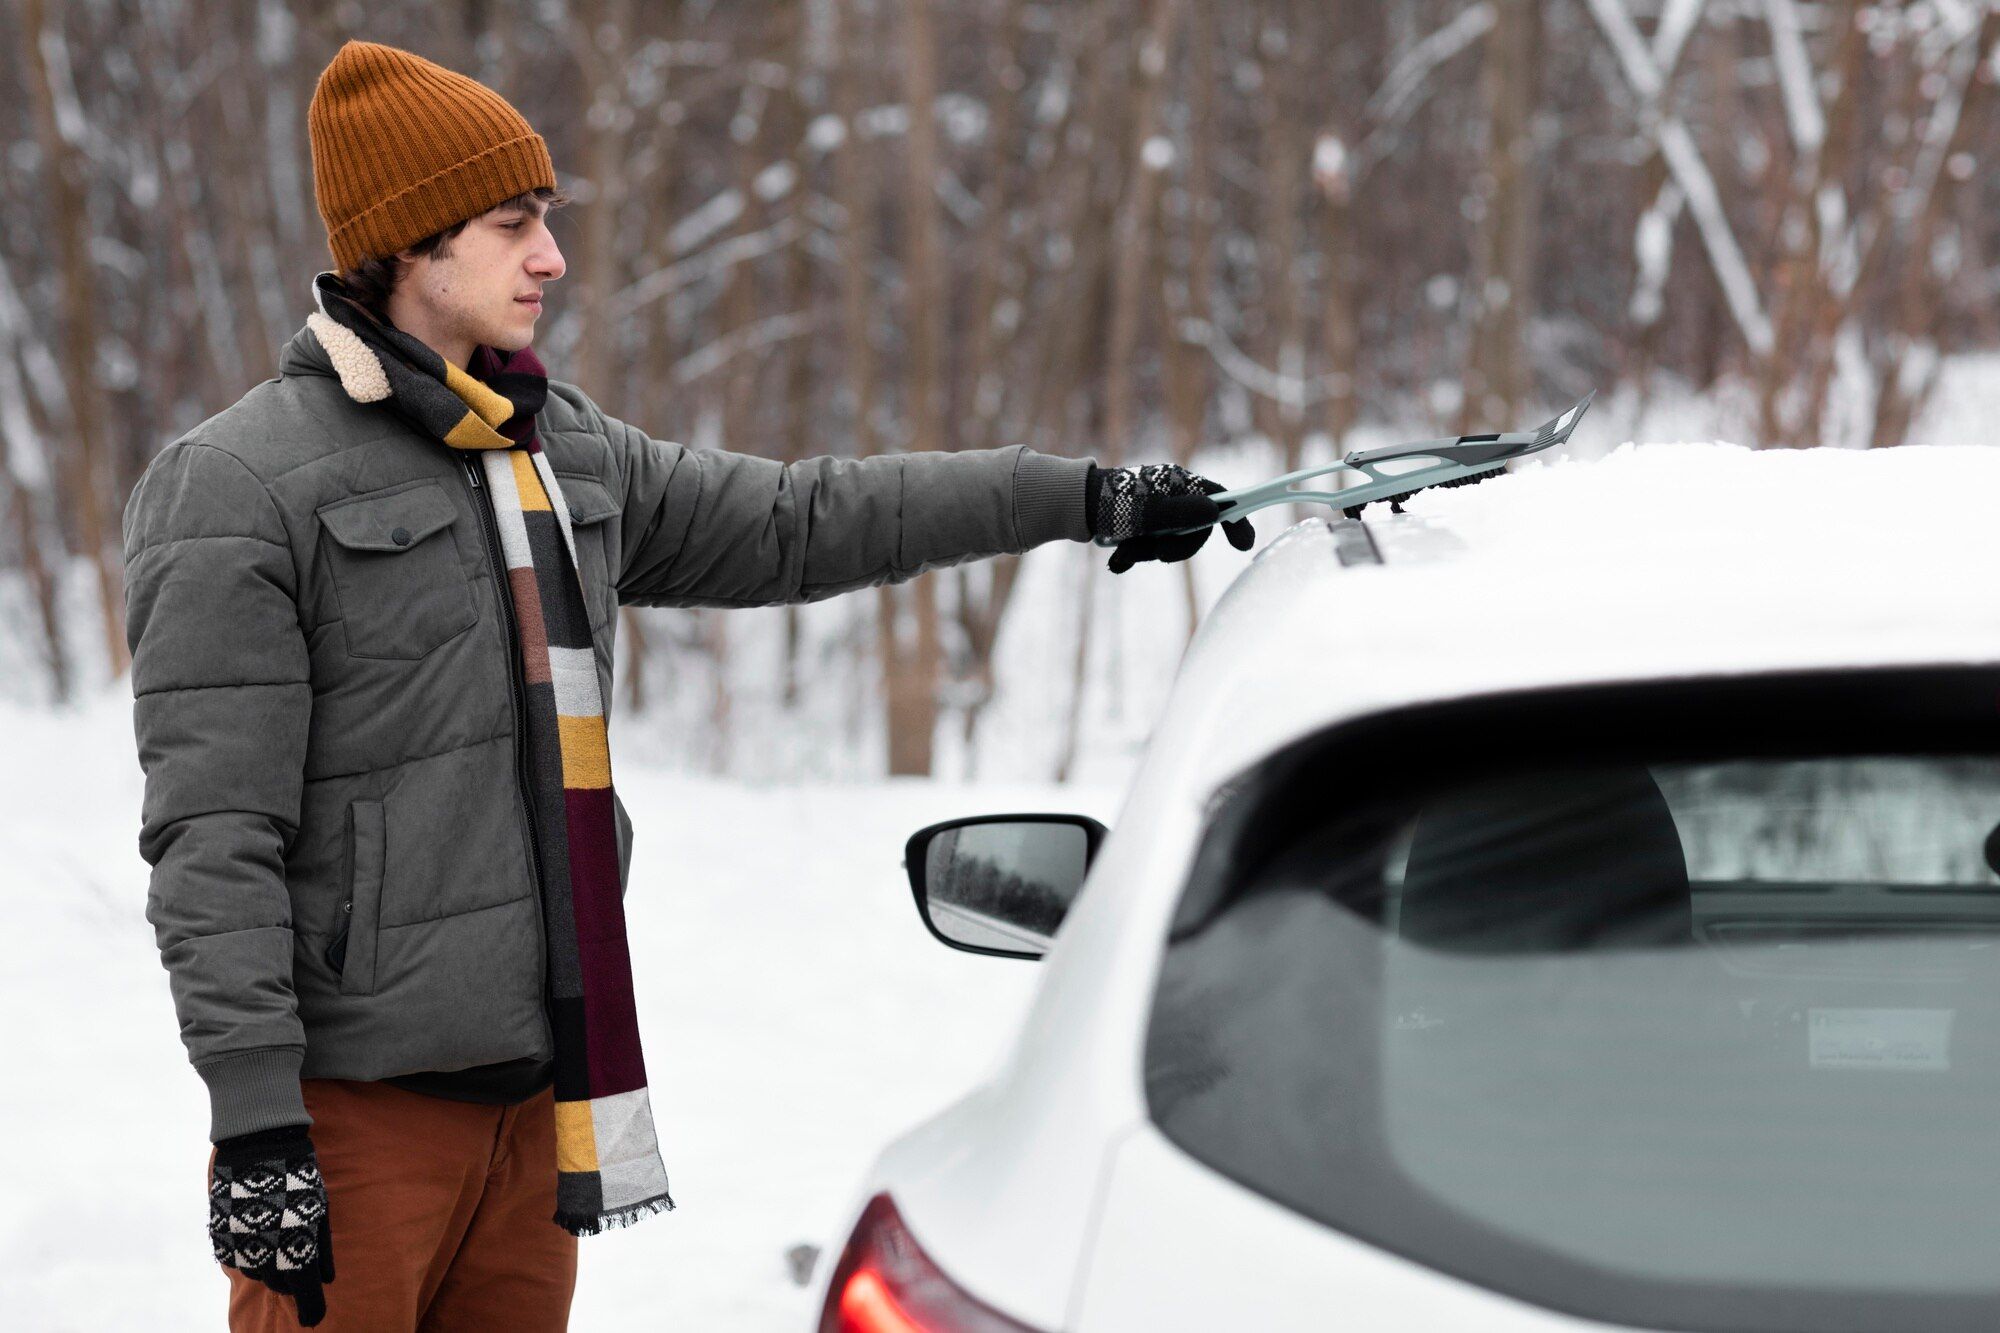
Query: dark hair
{"x": 372, "y": 279}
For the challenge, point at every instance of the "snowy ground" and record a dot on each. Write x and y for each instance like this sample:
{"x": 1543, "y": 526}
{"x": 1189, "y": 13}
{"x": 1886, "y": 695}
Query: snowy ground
{"x": 796, "y": 1016}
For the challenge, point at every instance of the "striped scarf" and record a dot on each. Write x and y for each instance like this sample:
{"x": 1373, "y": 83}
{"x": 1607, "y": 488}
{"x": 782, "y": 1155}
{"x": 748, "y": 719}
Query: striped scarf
{"x": 609, "y": 1171}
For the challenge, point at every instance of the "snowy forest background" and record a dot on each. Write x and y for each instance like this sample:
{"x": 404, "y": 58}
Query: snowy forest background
{"x": 1246, "y": 236}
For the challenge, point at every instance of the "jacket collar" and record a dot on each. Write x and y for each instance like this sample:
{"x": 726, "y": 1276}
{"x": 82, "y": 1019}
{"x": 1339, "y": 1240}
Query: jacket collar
{"x": 303, "y": 355}
{"x": 308, "y": 352}
{"x": 323, "y": 347}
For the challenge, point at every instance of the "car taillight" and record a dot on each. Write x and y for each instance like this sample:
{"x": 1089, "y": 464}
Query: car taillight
{"x": 886, "y": 1284}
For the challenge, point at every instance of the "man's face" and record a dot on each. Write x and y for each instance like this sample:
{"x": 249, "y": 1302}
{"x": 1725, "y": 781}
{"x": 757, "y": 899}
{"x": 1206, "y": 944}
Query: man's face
{"x": 487, "y": 289}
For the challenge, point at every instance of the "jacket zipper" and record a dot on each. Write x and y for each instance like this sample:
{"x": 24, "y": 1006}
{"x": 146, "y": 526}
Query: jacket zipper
{"x": 516, "y": 688}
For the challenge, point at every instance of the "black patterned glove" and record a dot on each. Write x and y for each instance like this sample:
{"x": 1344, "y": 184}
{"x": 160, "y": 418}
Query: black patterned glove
{"x": 1137, "y": 507}
{"x": 267, "y": 1215}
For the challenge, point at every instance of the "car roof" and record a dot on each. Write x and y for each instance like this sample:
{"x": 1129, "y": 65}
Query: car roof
{"x": 1652, "y": 562}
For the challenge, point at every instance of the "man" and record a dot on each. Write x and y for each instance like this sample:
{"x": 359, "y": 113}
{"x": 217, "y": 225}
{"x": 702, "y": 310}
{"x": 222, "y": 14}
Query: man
{"x": 371, "y": 609}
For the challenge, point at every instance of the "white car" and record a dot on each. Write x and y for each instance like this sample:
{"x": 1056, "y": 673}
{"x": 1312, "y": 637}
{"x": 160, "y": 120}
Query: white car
{"x": 1569, "y": 904}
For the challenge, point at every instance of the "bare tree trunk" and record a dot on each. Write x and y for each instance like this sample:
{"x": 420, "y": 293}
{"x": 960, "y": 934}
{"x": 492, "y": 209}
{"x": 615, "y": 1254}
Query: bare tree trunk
{"x": 981, "y": 613}
{"x": 1827, "y": 308}
{"x": 638, "y": 648}
{"x": 66, "y": 175}
{"x": 749, "y": 132}
{"x": 856, "y": 195}
{"x": 1806, "y": 310}
{"x": 1283, "y": 173}
{"x": 986, "y": 385}
{"x": 1497, "y": 382}
{"x": 238, "y": 207}
{"x": 24, "y": 468}
{"x": 1188, "y": 381}
{"x": 27, "y": 527}
{"x": 1065, "y": 366}
{"x": 1653, "y": 239}
{"x": 189, "y": 256}
{"x": 982, "y": 603}
{"x": 856, "y": 199}
{"x": 1340, "y": 317}
{"x": 913, "y": 681}
{"x": 599, "y": 34}
{"x": 296, "y": 236}
{"x": 1148, "y": 158}
{"x": 1356, "y": 28}
{"x": 798, "y": 288}
{"x": 749, "y": 128}
{"x": 1079, "y": 685}
{"x": 658, "y": 334}
{"x": 1913, "y": 362}
{"x": 715, "y": 640}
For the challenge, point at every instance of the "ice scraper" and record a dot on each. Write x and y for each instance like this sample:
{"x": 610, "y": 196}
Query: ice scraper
{"x": 1397, "y": 472}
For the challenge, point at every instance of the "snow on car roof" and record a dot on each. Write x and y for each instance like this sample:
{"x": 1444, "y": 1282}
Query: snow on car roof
{"x": 1654, "y": 561}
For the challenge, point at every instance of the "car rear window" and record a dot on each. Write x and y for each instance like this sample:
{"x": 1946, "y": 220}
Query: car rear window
{"x": 1674, "y": 1004}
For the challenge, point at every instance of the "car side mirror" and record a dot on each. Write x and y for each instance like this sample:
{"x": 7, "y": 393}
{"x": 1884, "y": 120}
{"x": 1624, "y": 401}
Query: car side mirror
{"x": 1000, "y": 884}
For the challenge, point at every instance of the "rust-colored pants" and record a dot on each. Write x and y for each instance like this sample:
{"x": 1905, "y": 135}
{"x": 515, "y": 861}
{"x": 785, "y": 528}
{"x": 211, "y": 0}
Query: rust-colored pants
{"x": 441, "y": 1214}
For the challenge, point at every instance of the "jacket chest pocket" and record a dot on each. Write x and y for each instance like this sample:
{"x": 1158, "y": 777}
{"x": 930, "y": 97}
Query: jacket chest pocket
{"x": 590, "y": 505}
{"x": 396, "y": 570}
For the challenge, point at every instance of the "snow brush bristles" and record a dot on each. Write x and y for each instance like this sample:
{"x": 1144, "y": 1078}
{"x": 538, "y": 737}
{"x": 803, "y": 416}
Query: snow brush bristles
{"x": 1395, "y": 502}
{"x": 1401, "y": 470}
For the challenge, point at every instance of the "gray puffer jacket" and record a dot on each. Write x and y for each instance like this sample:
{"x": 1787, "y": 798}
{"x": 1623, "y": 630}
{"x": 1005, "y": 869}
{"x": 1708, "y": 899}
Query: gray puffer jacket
{"x": 324, "y": 697}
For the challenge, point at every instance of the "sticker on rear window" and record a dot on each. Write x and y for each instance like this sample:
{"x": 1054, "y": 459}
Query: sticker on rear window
{"x": 1905, "y": 1039}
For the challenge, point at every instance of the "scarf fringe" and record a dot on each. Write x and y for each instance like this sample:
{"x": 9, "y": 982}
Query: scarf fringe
{"x": 589, "y": 1224}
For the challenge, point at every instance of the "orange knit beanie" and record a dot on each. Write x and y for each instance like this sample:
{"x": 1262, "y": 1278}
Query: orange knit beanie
{"x": 403, "y": 148}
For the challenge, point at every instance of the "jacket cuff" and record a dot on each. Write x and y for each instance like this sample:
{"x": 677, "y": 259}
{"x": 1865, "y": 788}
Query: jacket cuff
{"x": 252, "y": 1091}
{"x": 1048, "y": 498}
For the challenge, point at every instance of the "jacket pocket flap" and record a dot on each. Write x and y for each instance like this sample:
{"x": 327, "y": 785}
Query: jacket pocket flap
{"x": 589, "y": 500}
{"x": 391, "y": 522}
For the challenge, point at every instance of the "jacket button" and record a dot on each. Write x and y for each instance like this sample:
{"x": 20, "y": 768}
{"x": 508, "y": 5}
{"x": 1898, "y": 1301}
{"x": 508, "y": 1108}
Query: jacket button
{"x": 401, "y": 536}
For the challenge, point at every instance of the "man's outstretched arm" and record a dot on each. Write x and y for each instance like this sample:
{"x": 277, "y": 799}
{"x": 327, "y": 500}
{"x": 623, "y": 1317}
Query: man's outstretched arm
{"x": 705, "y": 527}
